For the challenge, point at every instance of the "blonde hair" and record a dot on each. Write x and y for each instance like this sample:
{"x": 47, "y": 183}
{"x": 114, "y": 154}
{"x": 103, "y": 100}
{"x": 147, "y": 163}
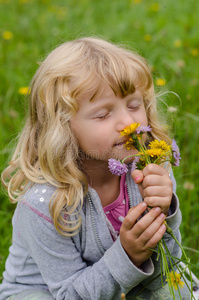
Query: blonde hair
{"x": 47, "y": 150}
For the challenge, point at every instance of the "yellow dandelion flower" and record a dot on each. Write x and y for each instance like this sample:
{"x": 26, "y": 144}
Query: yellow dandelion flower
{"x": 130, "y": 129}
{"x": 24, "y": 90}
{"x": 137, "y": 1}
{"x": 177, "y": 43}
{"x": 155, "y": 7}
{"x": 154, "y": 152}
{"x": 128, "y": 144}
{"x": 147, "y": 37}
{"x": 195, "y": 52}
{"x": 160, "y": 145}
{"x": 160, "y": 82}
{"x": 123, "y": 296}
{"x": 175, "y": 280}
{"x": 7, "y": 35}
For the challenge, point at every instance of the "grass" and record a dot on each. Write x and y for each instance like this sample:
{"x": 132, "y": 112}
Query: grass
{"x": 165, "y": 32}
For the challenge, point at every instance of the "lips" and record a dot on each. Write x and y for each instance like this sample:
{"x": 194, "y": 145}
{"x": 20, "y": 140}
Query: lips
{"x": 120, "y": 144}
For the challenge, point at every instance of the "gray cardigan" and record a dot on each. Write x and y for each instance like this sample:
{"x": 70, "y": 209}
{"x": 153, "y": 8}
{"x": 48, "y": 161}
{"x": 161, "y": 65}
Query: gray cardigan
{"x": 86, "y": 266}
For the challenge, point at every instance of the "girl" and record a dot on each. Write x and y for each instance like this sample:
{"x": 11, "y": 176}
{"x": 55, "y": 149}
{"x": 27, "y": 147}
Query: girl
{"x": 77, "y": 228}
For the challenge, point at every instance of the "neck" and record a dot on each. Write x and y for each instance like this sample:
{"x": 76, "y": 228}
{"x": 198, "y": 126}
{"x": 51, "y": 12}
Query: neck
{"x": 102, "y": 180}
{"x": 98, "y": 174}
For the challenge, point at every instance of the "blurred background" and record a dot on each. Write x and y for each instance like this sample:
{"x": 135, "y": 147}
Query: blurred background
{"x": 165, "y": 32}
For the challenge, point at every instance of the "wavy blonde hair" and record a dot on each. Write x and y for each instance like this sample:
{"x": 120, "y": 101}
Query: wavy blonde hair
{"x": 47, "y": 150}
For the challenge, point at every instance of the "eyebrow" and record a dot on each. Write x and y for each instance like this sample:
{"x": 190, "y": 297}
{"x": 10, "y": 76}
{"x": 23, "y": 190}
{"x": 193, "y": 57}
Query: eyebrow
{"x": 99, "y": 107}
{"x": 109, "y": 103}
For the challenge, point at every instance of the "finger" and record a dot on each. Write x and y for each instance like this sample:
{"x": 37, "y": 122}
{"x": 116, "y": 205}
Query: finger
{"x": 154, "y": 169}
{"x": 137, "y": 176}
{"x": 152, "y": 229}
{"x": 146, "y": 221}
{"x": 152, "y": 243}
{"x": 157, "y": 201}
{"x": 163, "y": 203}
{"x": 133, "y": 214}
{"x": 156, "y": 191}
{"x": 155, "y": 180}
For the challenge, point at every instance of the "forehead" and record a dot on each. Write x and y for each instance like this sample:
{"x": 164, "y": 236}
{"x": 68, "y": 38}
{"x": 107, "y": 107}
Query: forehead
{"x": 105, "y": 96}
{"x": 102, "y": 90}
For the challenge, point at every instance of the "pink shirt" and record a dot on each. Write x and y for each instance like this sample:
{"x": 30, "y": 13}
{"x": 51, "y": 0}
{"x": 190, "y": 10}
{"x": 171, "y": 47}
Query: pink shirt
{"x": 117, "y": 210}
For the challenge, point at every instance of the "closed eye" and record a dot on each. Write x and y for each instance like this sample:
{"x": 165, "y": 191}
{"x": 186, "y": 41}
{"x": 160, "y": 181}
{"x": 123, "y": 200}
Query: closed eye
{"x": 134, "y": 107}
{"x": 103, "y": 116}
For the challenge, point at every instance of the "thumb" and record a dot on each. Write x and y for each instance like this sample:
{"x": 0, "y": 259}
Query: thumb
{"x": 137, "y": 176}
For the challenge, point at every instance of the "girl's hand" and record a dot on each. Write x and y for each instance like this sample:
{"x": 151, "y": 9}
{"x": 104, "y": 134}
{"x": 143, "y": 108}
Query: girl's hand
{"x": 138, "y": 236}
{"x": 155, "y": 186}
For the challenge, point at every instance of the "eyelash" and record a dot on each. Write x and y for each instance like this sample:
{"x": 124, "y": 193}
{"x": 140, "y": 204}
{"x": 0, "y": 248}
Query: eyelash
{"x": 134, "y": 107}
{"x": 102, "y": 117}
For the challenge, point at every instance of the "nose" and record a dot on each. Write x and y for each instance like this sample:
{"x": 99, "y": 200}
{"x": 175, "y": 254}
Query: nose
{"x": 124, "y": 119}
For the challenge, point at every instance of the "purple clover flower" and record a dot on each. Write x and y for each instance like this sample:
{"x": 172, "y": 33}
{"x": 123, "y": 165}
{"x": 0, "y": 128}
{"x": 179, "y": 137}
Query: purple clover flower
{"x": 143, "y": 129}
{"x": 176, "y": 154}
{"x": 134, "y": 163}
{"x": 117, "y": 167}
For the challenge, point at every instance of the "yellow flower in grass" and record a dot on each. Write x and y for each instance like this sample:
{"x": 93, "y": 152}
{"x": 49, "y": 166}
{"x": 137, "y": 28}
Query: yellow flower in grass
{"x": 177, "y": 43}
{"x": 130, "y": 129}
{"x": 155, "y": 7}
{"x": 7, "y": 35}
{"x": 176, "y": 280}
{"x": 162, "y": 145}
{"x": 160, "y": 82}
{"x": 147, "y": 37}
{"x": 194, "y": 52}
{"x": 24, "y": 90}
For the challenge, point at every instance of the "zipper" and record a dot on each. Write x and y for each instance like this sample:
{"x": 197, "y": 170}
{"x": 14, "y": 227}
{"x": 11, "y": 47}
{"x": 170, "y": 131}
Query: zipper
{"x": 127, "y": 188}
{"x": 101, "y": 248}
{"x": 130, "y": 202}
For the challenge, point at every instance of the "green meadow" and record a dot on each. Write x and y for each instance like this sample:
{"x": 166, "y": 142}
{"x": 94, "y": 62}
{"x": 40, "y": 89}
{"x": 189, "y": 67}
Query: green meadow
{"x": 165, "y": 32}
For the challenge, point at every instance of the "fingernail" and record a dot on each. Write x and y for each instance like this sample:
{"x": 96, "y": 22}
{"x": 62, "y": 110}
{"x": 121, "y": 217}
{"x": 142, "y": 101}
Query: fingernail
{"x": 163, "y": 216}
{"x": 163, "y": 227}
{"x": 144, "y": 204}
{"x": 158, "y": 209}
{"x": 137, "y": 178}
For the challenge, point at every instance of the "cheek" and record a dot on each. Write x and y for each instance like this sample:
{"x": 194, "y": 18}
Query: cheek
{"x": 89, "y": 143}
{"x": 143, "y": 118}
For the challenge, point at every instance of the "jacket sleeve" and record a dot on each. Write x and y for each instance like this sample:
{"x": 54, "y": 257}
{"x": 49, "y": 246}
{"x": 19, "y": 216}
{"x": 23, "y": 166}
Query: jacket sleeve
{"x": 67, "y": 274}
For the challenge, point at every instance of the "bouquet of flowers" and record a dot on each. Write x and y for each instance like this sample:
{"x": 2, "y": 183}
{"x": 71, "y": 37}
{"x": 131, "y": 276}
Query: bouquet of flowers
{"x": 157, "y": 152}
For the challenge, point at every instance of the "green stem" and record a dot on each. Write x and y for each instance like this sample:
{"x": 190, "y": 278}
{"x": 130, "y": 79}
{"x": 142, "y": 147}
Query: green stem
{"x": 129, "y": 157}
{"x": 144, "y": 151}
{"x": 161, "y": 156}
{"x": 170, "y": 231}
{"x": 171, "y": 264}
{"x": 184, "y": 278}
{"x": 143, "y": 144}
